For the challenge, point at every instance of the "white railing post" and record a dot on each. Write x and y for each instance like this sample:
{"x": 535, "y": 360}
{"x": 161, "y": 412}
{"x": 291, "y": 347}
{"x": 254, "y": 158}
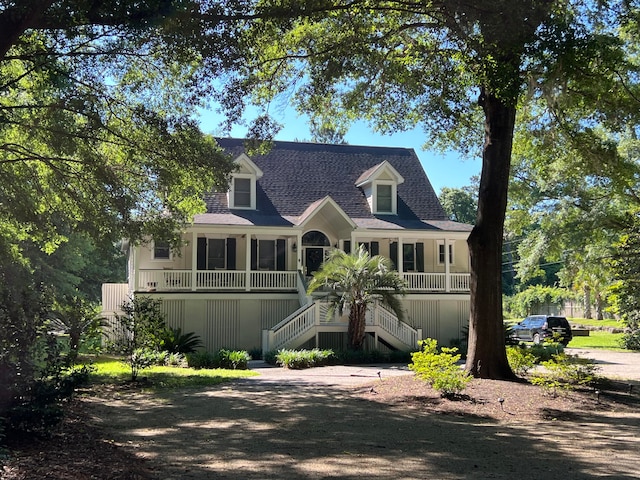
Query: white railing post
{"x": 194, "y": 261}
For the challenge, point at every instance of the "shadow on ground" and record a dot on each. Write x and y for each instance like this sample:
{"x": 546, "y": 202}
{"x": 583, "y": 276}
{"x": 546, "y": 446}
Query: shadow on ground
{"x": 255, "y": 430}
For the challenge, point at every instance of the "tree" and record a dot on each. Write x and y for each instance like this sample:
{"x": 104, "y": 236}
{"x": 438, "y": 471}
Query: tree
{"x": 145, "y": 329}
{"x": 459, "y": 203}
{"x": 400, "y": 64}
{"x": 356, "y": 281}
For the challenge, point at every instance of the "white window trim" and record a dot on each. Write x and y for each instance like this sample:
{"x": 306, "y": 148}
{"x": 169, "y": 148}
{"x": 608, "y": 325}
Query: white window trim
{"x": 394, "y": 197}
{"x": 452, "y": 256}
{"x": 231, "y": 195}
{"x": 153, "y": 254}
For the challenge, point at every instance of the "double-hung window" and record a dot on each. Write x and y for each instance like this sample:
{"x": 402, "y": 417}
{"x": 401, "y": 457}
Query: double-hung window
{"x": 241, "y": 192}
{"x": 384, "y": 198}
{"x": 441, "y": 253}
{"x": 161, "y": 250}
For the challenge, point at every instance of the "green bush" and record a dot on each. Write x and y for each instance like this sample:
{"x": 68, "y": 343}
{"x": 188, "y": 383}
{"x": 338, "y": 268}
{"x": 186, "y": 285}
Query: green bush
{"x": 233, "y": 359}
{"x": 223, "y": 358}
{"x": 520, "y": 359}
{"x": 201, "y": 360}
{"x": 174, "y": 341}
{"x": 631, "y": 339}
{"x": 297, "y": 359}
{"x": 546, "y": 350}
{"x": 440, "y": 369}
{"x": 565, "y": 372}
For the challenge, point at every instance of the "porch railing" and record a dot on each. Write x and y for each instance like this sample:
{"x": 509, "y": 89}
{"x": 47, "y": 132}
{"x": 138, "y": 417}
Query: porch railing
{"x": 183, "y": 280}
{"x": 176, "y": 280}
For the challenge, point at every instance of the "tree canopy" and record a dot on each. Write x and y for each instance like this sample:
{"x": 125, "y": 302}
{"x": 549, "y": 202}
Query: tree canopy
{"x": 457, "y": 68}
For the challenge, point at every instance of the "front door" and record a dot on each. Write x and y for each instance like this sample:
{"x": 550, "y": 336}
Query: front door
{"x": 313, "y": 258}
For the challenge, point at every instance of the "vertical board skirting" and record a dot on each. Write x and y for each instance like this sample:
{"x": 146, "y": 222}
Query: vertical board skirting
{"x": 222, "y": 324}
{"x": 464, "y": 307}
{"x": 173, "y": 311}
{"x": 273, "y": 312}
{"x": 425, "y": 314}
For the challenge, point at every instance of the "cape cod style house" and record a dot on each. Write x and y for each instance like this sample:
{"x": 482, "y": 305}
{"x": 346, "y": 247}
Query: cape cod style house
{"x": 240, "y": 280}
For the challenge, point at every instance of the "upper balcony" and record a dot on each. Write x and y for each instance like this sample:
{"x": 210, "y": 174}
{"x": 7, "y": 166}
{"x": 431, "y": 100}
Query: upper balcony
{"x": 166, "y": 280}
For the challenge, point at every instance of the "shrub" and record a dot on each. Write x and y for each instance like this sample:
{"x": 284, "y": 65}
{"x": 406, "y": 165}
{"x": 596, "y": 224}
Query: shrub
{"x": 520, "y": 359}
{"x": 174, "y": 341}
{"x": 233, "y": 359}
{"x": 297, "y": 359}
{"x": 565, "y": 372}
{"x": 229, "y": 359}
{"x": 145, "y": 326}
{"x": 200, "y": 360}
{"x": 631, "y": 339}
{"x": 545, "y": 351}
{"x": 440, "y": 370}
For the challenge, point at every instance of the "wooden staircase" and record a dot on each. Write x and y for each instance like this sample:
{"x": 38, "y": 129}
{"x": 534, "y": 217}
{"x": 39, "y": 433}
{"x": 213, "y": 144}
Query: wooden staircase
{"x": 311, "y": 319}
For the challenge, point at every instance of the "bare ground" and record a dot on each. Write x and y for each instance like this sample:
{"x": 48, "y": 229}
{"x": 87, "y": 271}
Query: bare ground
{"x": 360, "y": 426}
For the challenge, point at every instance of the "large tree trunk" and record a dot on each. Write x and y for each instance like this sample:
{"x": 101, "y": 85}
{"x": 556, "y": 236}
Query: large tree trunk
{"x": 486, "y": 357}
{"x": 587, "y": 301}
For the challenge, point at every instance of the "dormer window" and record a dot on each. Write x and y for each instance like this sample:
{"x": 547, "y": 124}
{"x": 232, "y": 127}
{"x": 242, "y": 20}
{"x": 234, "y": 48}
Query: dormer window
{"x": 242, "y": 193}
{"x": 380, "y": 186}
{"x": 384, "y": 198}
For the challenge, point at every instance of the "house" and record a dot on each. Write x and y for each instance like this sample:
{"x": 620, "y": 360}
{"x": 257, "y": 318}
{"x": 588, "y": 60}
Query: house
{"x": 240, "y": 280}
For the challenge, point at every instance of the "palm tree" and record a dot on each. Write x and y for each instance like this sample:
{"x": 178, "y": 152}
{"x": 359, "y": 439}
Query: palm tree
{"x": 355, "y": 281}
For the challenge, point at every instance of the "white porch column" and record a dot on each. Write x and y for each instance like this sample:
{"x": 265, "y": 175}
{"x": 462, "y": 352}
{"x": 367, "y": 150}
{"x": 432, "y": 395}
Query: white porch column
{"x": 400, "y": 265}
{"x": 299, "y": 253}
{"x": 194, "y": 260}
{"x": 447, "y": 266}
{"x": 135, "y": 273}
{"x": 247, "y": 265}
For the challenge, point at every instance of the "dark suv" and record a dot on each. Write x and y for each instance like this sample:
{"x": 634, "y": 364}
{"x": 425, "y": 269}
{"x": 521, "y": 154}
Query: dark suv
{"x": 535, "y": 328}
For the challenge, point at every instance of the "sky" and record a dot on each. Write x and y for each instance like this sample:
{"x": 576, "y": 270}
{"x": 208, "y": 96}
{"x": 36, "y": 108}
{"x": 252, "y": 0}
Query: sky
{"x": 444, "y": 170}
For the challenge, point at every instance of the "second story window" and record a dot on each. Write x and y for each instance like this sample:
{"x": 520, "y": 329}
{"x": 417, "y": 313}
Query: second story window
{"x": 242, "y": 192}
{"x": 441, "y": 253}
{"x": 384, "y": 200}
{"x": 161, "y": 250}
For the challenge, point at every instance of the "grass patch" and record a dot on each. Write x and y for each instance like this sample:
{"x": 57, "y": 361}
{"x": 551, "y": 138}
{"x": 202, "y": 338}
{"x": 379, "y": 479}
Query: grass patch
{"x": 608, "y": 323}
{"x": 113, "y": 370}
{"x": 598, "y": 339}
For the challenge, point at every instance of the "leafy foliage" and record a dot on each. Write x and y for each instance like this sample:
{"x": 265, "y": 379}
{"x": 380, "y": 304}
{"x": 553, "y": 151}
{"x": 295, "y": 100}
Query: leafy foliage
{"x": 534, "y": 298}
{"x": 356, "y": 281}
{"x": 298, "y": 359}
{"x": 440, "y": 369}
{"x": 223, "y": 358}
{"x": 144, "y": 325}
{"x": 460, "y": 204}
{"x": 520, "y": 359}
{"x": 565, "y": 372}
{"x": 174, "y": 341}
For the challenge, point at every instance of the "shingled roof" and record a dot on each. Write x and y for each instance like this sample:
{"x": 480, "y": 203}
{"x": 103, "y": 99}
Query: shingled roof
{"x": 297, "y": 174}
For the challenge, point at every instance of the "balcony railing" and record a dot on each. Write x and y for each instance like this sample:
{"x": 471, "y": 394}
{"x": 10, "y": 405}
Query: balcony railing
{"x": 184, "y": 280}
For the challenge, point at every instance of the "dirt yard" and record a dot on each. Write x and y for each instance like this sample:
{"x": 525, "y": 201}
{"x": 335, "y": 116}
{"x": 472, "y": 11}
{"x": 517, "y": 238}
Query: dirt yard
{"x": 348, "y": 423}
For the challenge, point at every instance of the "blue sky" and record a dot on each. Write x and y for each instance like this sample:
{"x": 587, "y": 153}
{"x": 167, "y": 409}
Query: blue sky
{"x": 443, "y": 170}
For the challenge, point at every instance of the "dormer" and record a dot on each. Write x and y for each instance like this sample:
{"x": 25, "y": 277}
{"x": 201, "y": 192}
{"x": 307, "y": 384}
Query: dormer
{"x": 242, "y": 187}
{"x": 380, "y": 186}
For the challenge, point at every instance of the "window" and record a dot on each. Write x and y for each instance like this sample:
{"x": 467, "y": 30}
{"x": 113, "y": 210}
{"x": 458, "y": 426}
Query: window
{"x": 242, "y": 193}
{"x": 216, "y": 254}
{"x": 266, "y": 255}
{"x": 441, "y": 255}
{"x": 161, "y": 250}
{"x": 408, "y": 258}
{"x": 384, "y": 202}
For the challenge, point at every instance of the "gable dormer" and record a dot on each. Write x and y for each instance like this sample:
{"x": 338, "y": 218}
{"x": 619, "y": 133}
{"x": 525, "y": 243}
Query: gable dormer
{"x": 242, "y": 187}
{"x": 380, "y": 186}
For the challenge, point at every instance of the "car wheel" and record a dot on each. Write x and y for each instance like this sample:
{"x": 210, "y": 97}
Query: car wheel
{"x": 536, "y": 338}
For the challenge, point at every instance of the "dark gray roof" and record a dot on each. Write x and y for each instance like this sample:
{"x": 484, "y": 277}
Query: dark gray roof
{"x": 297, "y": 174}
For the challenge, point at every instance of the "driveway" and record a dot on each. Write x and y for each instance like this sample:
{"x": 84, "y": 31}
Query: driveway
{"x": 613, "y": 365}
